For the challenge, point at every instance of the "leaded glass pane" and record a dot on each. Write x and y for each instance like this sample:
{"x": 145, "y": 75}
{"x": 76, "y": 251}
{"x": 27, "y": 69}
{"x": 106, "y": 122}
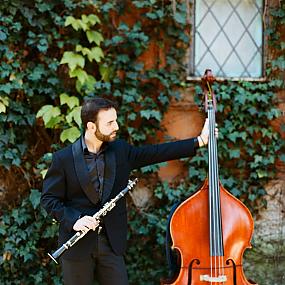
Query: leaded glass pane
{"x": 228, "y": 38}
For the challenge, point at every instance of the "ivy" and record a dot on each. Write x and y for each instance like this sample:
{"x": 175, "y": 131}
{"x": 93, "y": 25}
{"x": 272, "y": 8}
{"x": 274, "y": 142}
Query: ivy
{"x": 28, "y": 71}
{"x": 53, "y": 117}
{"x": 24, "y": 232}
{"x": 30, "y": 48}
{"x": 55, "y": 54}
{"x": 276, "y": 66}
{"x": 76, "y": 62}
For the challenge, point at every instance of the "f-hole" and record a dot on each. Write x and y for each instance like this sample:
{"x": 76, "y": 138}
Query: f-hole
{"x": 234, "y": 269}
{"x": 190, "y": 270}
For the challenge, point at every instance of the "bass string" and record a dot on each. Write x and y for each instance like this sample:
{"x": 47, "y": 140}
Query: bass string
{"x": 216, "y": 241}
{"x": 213, "y": 224}
{"x": 217, "y": 196}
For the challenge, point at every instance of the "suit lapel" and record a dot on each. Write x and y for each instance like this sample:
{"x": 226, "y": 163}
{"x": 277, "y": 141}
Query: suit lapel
{"x": 109, "y": 173}
{"x": 82, "y": 172}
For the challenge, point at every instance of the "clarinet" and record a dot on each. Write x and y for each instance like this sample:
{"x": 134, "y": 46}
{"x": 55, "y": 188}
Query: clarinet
{"x": 102, "y": 212}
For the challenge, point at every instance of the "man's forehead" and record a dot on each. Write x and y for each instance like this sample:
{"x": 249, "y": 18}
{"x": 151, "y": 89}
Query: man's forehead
{"x": 107, "y": 115}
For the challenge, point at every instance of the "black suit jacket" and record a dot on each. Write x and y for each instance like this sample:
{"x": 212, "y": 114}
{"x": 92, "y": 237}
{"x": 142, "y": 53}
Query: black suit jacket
{"x": 68, "y": 193}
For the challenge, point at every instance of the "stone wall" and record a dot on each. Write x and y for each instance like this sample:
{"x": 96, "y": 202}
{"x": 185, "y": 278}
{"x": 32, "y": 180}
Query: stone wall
{"x": 270, "y": 225}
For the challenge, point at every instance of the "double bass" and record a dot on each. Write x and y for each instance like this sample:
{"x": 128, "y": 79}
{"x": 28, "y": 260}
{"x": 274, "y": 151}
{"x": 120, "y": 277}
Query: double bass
{"x": 211, "y": 229}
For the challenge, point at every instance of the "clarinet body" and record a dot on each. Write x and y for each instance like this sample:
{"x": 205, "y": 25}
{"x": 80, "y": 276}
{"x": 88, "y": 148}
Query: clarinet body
{"x": 98, "y": 215}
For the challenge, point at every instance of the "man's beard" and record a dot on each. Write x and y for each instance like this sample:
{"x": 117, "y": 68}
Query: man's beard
{"x": 104, "y": 138}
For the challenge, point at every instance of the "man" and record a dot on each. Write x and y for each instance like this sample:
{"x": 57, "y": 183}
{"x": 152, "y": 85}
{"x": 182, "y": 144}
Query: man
{"x": 86, "y": 174}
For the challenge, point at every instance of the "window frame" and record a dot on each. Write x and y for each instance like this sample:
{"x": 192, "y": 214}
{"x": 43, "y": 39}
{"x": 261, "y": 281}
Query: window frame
{"x": 191, "y": 51}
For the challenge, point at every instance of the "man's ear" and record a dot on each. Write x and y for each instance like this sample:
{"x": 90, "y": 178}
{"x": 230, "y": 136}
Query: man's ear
{"x": 91, "y": 126}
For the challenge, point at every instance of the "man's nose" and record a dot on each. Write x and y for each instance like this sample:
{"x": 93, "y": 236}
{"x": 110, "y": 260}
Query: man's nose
{"x": 116, "y": 126}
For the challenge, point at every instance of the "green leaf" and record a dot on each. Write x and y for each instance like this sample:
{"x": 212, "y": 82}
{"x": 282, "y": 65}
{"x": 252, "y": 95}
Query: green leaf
{"x": 132, "y": 116}
{"x": 73, "y": 60}
{"x": 282, "y": 157}
{"x": 5, "y": 100}
{"x": 79, "y": 48}
{"x": 3, "y": 36}
{"x": 251, "y": 197}
{"x": 88, "y": 84}
{"x": 152, "y": 16}
{"x": 233, "y": 136}
{"x": 258, "y": 158}
{"x": 43, "y": 173}
{"x": 252, "y": 110}
{"x": 240, "y": 98}
{"x": 2, "y": 108}
{"x": 6, "y": 88}
{"x": 180, "y": 18}
{"x": 95, "y": 37}
{"x": 81, "y": 74}
{"x": 105, "y": 72}
{"x": 117, "y": 40}
{"x": 92, "y": 19}
{"x": 261, "y": 173}
{"x": 96, "y": 53}
{"x": 151, "y": 114}
{"x": 235, "y": 191}
{"x": 35, "y": 198}
{"x": 44, "y": 109}
{"x": 277, "y": 82}
{"x": 48, "y": 112}
{"x": 234, "y": 153}
{"x": 83, "y": 50}
{"x": 279, "y": 62}
{"x": 69, "y": 20}
{"x": 71, "y": 101}
{"x": 72, "y": 21}
{"x": 75, "y": 115}
{"x": 278, "y": 12}
{"x": 54, "y": 121}
{"x": 19, "y": 216}
{"x": 50, "y": 231}
{"x": 71, "y": 134}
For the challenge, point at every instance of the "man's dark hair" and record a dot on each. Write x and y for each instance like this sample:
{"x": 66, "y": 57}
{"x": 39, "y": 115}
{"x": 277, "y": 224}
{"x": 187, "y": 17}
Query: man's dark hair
{"x": 91, "y": 108}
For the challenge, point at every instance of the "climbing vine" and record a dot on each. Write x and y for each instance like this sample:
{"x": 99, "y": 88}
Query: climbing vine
{"x": 275, "y": 35}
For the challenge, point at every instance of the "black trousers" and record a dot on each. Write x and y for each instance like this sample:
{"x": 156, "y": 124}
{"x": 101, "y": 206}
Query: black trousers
{"x": 108, "y": 267}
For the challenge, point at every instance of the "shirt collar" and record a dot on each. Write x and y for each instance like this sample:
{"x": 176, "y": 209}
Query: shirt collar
{"x": 85, "y": 148}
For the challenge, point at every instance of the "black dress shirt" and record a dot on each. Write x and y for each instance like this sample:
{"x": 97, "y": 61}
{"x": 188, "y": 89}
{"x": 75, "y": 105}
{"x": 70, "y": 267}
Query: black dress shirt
{"x": 96, "y": 164}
